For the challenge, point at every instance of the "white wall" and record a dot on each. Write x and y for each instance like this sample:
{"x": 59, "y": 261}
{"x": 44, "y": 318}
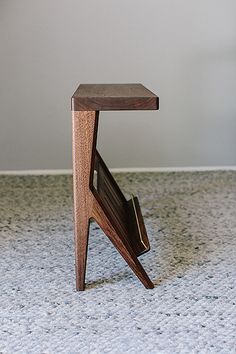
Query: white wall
{"x": 184, "y": 50}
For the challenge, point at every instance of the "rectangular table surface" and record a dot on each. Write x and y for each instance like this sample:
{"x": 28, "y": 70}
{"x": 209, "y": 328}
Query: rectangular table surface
{"x": 112, "y": 97}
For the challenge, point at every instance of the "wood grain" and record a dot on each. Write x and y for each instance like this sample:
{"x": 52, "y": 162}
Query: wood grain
{"x": 104, "y": 97}
{"x": 121, "y": 244}
{"x": 121, "y": 220}
{"x": 106, "y": 204}
{"x": 84, "y": 128}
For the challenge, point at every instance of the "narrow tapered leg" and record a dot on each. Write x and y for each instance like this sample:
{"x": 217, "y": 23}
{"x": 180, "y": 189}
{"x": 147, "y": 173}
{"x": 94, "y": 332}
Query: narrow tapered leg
{"x": 81, "y": 247}
{"x": 84, "y": 130}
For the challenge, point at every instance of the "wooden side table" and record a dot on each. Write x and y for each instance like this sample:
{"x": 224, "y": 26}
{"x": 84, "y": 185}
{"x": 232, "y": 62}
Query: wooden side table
{"x": 96, "y": 194}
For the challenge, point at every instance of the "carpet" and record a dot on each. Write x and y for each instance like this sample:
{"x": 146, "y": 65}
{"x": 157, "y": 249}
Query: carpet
{"x": 191, "y": 223}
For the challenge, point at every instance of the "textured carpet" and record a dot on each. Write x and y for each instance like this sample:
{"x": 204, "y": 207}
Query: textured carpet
{"x": 191, "y": 222}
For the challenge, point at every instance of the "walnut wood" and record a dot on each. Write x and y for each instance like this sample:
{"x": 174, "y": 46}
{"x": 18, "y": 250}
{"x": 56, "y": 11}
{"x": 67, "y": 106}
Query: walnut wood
{"x": 121, "y": 244}
{"x": 103, "y": 97}
{"x": 137, "y": 231}
{"x": 84, "y": 130}
{"x": 125, "y": 215}
{"x": 106, "y": 204}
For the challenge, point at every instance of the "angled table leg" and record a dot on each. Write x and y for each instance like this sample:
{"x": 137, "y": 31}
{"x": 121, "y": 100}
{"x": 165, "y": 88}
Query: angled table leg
{"x": 121, "y": 244}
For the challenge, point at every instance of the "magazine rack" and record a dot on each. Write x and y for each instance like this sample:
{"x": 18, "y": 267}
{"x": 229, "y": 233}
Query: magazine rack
{"x": 96, "y": 194}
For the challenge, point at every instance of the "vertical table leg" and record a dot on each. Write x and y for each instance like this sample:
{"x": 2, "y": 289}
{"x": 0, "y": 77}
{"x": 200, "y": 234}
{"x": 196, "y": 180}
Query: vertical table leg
{"x": 84, "y": 135}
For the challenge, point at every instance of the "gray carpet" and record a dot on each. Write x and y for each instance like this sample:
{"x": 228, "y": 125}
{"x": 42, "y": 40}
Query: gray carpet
{"x": 191, "y": 222}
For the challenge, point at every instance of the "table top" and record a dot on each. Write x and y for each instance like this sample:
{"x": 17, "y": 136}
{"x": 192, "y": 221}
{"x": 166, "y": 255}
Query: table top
{"x": 113, "y": 97}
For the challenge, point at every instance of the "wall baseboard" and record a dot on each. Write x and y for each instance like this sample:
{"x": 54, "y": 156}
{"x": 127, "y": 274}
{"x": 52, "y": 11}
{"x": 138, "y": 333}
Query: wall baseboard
{"x": 121, "y": 170}
{"x": 36, "y": 172}
{"x": 174, "y": 169}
